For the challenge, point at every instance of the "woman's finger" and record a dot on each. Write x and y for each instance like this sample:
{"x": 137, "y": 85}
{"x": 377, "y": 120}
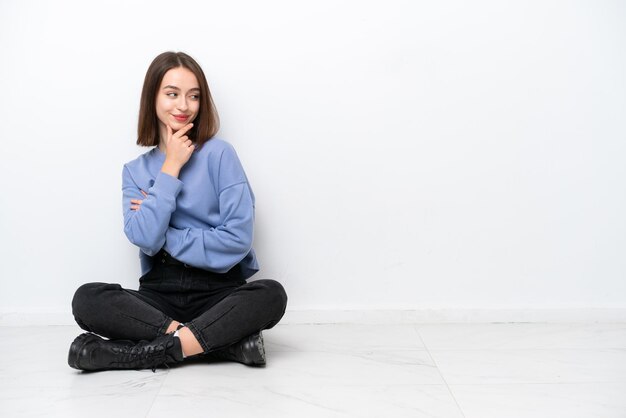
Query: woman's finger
{"x": 144, "y": 193}
{"x": 183, "y": 130}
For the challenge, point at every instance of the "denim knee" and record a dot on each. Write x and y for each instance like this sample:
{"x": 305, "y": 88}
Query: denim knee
{"x": 85, "y": 300}
{"x": 275, "y": 296}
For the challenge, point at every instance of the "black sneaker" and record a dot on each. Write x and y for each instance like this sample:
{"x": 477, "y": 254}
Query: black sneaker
{"x": 249, "y": 351}
{"x": 91, "y": 352}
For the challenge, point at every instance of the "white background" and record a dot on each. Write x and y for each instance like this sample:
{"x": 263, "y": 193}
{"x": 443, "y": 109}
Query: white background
{"x": 404, "y": 155}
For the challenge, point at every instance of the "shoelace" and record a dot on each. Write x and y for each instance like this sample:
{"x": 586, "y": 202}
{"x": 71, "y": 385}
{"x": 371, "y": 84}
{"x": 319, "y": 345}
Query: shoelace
{"x": 146, "y": 355}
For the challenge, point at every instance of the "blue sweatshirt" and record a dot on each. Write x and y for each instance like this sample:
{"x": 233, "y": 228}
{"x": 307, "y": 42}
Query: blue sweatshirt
{"x": 204, "y": 218}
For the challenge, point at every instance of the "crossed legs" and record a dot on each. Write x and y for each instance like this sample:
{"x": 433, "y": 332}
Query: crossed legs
{"x": 121, "y": 314}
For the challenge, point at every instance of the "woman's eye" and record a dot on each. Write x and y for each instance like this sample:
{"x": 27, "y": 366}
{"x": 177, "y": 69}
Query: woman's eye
{"x": 171, "y": 94}
{"x": 195, "y": 96}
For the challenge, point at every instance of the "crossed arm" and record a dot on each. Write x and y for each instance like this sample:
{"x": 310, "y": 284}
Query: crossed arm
{"x": 217, "y": 248}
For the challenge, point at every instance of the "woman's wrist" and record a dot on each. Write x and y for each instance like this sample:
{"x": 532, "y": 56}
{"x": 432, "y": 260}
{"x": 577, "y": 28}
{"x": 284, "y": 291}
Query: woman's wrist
{"x": 171, "y": 168}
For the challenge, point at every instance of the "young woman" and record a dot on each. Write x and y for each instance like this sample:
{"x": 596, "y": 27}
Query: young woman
{"x": 189, "y": 208}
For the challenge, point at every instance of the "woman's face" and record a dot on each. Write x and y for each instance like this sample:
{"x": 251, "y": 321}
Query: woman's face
{"x": 178, "y": 100}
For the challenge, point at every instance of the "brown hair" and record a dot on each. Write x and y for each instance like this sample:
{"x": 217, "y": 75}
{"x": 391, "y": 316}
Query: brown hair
{"x": 205, "y": 125}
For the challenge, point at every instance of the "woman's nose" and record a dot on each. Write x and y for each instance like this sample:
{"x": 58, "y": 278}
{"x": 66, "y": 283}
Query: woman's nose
{"x": 182, "y": 103}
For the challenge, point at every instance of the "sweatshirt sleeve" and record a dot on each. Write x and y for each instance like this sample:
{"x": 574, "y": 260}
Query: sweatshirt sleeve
{"x": 221, "y": 246}
{"x": 146, "y": 227}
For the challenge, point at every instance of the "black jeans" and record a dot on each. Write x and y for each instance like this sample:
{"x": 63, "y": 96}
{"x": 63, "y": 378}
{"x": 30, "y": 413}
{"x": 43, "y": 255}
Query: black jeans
{"x": 219, "y": 309}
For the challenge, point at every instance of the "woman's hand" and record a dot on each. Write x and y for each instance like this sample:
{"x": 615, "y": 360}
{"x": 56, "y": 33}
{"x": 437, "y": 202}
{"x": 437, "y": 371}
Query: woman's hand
{"x": 178, "y": 150}
{"x": 136, "y": 203}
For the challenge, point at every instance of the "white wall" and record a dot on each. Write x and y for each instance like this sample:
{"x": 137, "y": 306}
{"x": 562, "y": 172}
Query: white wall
{"x": 405, "y": 155}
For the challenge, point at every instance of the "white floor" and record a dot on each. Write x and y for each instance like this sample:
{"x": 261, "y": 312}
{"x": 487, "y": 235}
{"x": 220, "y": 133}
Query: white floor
{"x": 472, "y": 371}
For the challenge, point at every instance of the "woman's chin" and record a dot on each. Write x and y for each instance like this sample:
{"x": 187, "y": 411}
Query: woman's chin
{"x": 176, "y": 125}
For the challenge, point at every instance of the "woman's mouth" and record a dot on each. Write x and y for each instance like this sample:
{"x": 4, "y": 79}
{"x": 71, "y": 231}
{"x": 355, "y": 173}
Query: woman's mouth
{"x": 181, "y": 118}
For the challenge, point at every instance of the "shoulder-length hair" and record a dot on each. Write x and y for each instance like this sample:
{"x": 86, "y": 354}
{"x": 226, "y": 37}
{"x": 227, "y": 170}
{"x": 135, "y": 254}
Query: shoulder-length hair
{"x": 206, "y": 123}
